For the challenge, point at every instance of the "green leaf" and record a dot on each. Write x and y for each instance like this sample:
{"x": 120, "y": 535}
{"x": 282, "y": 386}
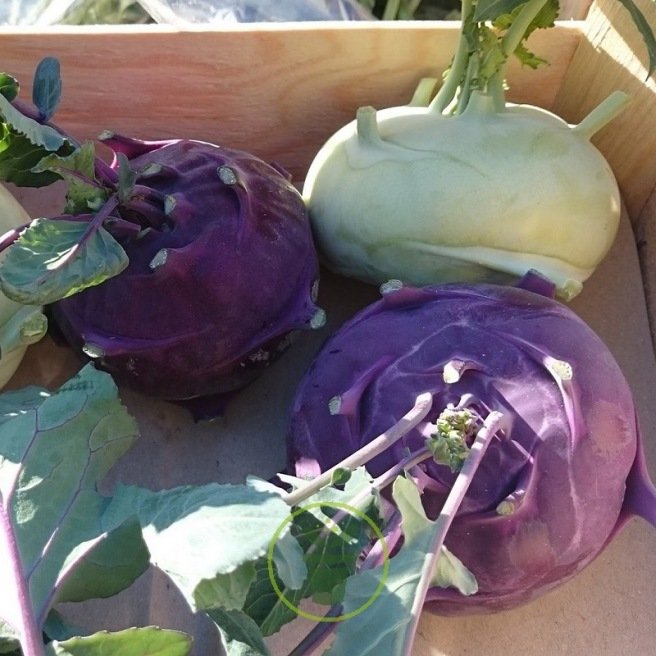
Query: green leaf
{"x": 380, "y": 628}
{"x": 56, "y": 627}
{"x": 127, "y": 178}
{"x": 53, "y": 259}
{"x": 54, "y": 449}
{"x": 84, "y": 193}
{"x": 40, "y": 135}
{"x": 205, "y": 538}
{"x": 330, "y": 556}
{"x": 46, "y": 89}
{"x": 19, "y": 156}
{"x": 449, "y": 570}
{"x": 490, "y": 10}
{"x": 146, "y": 641}
{"x": 645, "y": 30}
{"x": 23, "y": 142}
{"x": 8, "y": 86}
{"x": 383, "y": 627}
{"x": 241, "y": 636}
{"x": 288, "y": 558}
{"x": 116, "y": 561}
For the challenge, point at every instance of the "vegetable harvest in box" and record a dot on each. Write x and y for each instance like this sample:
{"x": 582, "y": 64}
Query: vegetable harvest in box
{"x": 482, "y": 453}
{"x": 181, "y": 267}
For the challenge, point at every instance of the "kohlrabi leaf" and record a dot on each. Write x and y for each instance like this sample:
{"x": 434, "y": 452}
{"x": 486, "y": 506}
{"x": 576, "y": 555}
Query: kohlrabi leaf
{"x": 54, "y": 449}
{"x": 330, "y": 552}
{"x": 379, "y": 627}
{"x": 53, "y": 259}
{"x": 449, "y": 570}
{"x": 56, "y": 627}
{"x": 8, "y": 86}
{"x": 39, "y": 135}
{"x": 84, "y": 193}
{"x": 490, "y": 10}
{"x": 145, "y": 641}
{"x": 205, "y": 538}
{"x": 19, "y": 156}
{"x": 23, "y": 142}
{"x": 288, "y": 558}
{"x": 126, "y": 178}
{"x": 384, "y": 626}
{"x": 645, "y": 30}
{"x": 117, "y": 560}
{"x": 241, "y": 635}
{"x": 46, "y": 90}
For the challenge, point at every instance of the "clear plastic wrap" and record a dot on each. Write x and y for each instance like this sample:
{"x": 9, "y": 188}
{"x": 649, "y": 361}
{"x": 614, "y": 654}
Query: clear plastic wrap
{"x": 253, "y": 11}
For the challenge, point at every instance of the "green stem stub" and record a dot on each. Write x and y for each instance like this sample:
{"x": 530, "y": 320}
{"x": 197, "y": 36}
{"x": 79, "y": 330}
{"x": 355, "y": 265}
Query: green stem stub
{"x": 449, "y": 444}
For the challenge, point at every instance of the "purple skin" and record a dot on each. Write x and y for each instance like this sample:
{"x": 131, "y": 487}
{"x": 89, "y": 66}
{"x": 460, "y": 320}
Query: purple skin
{"x": 236, "y": 282}
{"x": 571, "y": 470}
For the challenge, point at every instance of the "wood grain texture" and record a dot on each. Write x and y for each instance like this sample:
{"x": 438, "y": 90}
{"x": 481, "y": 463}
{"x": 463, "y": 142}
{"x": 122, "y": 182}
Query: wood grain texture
{"x": 612, "y": 56}
{"x": 276, "y": 90}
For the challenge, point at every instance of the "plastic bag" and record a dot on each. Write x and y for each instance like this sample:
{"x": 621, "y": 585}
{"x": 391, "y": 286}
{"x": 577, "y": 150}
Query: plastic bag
{"x": 33, "y": 12}
{"x": 177, "y": 12}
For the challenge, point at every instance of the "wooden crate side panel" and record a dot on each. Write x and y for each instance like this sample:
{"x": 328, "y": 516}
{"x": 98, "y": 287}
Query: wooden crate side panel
{"x": 612, "y": 56}
{"x": 278, "y": 91}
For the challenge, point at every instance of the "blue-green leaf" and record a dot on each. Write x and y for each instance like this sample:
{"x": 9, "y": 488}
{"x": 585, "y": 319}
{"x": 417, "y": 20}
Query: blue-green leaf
{"x": 645, "y": 30}
{"x": 490, "y": 10}
{"x": 40, "y": 135}
{"x": 53, "y": 259}
{"x": 47, "y": 86}
{"x": 205, "y": 538}
{"x": 54, "y": 450}
{"x": 144, "y": 641}
{"x": 241, "y": 636}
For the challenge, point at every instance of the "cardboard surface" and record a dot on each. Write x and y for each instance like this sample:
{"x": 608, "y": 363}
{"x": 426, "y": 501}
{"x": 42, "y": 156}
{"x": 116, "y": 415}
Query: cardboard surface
{"x": 609, "y": 609}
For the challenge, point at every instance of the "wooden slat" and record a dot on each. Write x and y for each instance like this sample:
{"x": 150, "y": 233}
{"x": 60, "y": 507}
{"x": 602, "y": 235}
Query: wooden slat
{"x": 276, "y": 90}
{"x": 613, "y": 56}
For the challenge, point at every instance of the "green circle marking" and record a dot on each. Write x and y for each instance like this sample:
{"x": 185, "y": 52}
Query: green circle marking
{"x": 340, "y": 506}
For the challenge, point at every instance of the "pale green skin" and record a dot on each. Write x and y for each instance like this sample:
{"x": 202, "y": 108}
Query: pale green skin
{"x": 408, "y": 193}
{"x": 20, "y": 325}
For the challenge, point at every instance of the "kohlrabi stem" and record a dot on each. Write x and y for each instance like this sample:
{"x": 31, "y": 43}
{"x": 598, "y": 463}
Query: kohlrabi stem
{"x": 509, "y": 43}
{"x": 391, "y": 9}
{"x": 602, "y": 114}
{"x": 456, "y": 71}
{"x": 25, "y": 624}
{"x": 360, "y": 457}
{"x": 492, "y": 424}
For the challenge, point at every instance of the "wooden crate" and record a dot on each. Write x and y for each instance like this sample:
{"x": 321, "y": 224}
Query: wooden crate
{"x": 280, "y": 91}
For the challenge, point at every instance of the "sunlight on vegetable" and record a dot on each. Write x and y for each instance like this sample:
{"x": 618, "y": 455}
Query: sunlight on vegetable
{"x": 182, "y": 267}
{"x": 469, "y": 187}
{"x": 549, "y": 495}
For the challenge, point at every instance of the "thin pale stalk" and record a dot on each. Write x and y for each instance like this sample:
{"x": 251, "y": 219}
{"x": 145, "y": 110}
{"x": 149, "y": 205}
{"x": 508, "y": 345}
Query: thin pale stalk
{"x": 362, "y": 456}
{"x": 453, "y": 78}
{"x": 391, "y": 9}
{"x": 492, "y": 424}
{"x": 509, "y": 43}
